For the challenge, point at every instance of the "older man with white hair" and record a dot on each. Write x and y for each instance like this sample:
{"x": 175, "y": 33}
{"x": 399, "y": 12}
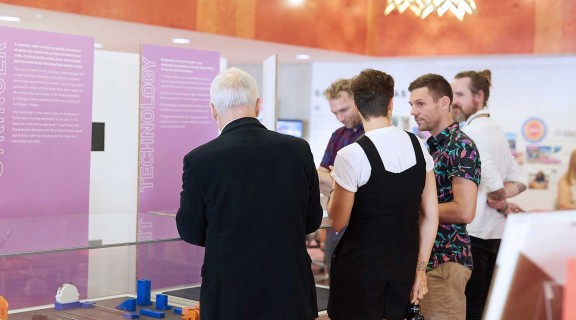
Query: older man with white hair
{"x": 250, "y": 197}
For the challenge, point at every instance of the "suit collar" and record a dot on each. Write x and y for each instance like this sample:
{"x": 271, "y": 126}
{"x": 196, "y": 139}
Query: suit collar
{"x": 236, "y": 124}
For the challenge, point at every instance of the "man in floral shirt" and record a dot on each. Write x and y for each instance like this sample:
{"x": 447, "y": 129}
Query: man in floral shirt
{"x": 457, "y": 171}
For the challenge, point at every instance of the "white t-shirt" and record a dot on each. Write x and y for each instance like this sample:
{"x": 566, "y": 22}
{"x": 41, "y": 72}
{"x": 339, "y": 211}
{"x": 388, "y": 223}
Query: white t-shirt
{"x": 352, "y": 168}
{"x": 498, "y": 165}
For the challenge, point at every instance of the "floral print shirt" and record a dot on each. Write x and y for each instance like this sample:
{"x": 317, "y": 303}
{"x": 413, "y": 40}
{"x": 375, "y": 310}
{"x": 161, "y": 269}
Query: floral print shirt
{"x": 455, "y": 155}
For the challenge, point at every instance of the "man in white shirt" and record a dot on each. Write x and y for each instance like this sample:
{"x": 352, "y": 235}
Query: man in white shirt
{"x": 501, "y": 178}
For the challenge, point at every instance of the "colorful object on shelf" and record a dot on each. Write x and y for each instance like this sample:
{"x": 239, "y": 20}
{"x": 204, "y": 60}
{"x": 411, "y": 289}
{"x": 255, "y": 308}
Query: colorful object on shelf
{"x": 127, "y": 305}
{"x": 3, "y": 309}
{"x": 191, "y": 313}
{"x": 162, "y": 302}
{"x": 67, "y": 306}
{"x": 87, "y": 304}
{"x": 152, "y": 313}
{"x": 177, "y": 310}
{"x": 144, "y": 288}
{"x": 67, "y": 297}
{"x": 131, "y": 315}
{"x": 67, "y": 293}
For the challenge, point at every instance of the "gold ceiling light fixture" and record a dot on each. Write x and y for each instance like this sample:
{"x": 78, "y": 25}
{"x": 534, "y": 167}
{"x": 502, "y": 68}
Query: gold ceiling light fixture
{"x": 423, "y": 8}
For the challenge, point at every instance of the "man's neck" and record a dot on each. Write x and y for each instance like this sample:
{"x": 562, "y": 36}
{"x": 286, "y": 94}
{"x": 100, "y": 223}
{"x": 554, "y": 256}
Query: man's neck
{"x": 354, "y": 128}
{"x": 230, "y": 116}
{"x": 376, "y": 123}
{"x": 480, "y": 113}
{"x": 444, "y": 123}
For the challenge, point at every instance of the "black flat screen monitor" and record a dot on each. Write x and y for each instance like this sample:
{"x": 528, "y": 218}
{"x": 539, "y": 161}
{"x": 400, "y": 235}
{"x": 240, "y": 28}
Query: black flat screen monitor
{"x": 291, "y": 127}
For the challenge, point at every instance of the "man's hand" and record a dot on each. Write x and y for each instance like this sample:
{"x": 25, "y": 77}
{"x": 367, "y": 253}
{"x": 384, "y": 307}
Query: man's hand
{"x": 419, "y": 288}
{"x": 497, "y": 204}
{"x": 326, "y": 181}
{"x": 497, "y": 199}
{"x": 513, "y": 209}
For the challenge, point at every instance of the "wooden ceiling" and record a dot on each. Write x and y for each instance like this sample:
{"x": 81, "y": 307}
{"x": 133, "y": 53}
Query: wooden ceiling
{"x": 354, "y": 26}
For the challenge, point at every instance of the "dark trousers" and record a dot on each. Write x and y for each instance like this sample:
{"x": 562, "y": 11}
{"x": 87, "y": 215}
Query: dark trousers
{"x": 484, "y": 254}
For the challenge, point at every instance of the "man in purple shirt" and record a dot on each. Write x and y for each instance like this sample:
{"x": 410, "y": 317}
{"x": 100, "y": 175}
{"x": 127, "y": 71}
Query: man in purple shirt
{"x": 341, "y": 100}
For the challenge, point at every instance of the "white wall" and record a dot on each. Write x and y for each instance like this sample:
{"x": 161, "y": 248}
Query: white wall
{"x": 114, "y": 171}
{"x": 294, "y": 89}
{"x": 523, "y": 87}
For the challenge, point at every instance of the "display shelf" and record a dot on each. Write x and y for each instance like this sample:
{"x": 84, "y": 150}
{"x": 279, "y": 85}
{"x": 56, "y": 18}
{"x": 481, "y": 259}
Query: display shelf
{"x": 105, "y": 309}
{"x": 31, "y": 279}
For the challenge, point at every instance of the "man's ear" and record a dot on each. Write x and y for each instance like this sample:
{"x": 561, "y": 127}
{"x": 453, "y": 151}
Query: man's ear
{"x": 355, "y": 106}
{"x": 257, "y": 107}
{"x": 214, "y": 112}
{"x": 445, "y": 103}
{"x": 479, "y": 98}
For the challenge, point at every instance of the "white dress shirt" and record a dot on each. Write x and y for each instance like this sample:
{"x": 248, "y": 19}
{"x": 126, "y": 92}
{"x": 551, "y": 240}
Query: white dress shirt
{"x": 498, "y": 166}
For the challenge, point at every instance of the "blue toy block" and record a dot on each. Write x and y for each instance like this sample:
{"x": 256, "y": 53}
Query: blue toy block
{"x": 131, "y": 315}
{"x": 177, "y": 310}
{"x": 67, "y": 306}
{"x": 87, "y": 304}
{"x": 143, "y": 292}
{"x": 127, "y": 305}
{"x": 162, "y": 302}
{"x": 152, "y": 313}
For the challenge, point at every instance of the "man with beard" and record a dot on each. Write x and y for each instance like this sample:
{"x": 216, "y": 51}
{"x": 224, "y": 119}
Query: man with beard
{"x": 341, "y": 101}
{"x": 501, "y": 178}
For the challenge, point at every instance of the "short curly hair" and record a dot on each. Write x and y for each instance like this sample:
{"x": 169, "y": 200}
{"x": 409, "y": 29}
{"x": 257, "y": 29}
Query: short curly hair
{"x": 373, "y": 90}
{"x": 436, "y": 84}
{"x": 333, "y": 91}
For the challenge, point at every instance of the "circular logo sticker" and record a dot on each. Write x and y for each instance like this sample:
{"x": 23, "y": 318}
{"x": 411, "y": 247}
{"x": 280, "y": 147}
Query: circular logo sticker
{"x": 534, "y": 130}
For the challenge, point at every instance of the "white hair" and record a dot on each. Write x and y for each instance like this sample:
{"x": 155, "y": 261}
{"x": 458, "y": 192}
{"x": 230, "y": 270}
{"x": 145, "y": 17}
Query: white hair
{"x": 233, "y": 89}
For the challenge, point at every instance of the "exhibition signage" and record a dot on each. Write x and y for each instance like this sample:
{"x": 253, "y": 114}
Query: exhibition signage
{"x": 174, "y": 119}
{"x": 534, "y": 129}
{"x": 45, "y": 136}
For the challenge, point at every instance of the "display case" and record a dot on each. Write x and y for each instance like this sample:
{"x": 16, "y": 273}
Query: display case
{"x": 107, "y": 275}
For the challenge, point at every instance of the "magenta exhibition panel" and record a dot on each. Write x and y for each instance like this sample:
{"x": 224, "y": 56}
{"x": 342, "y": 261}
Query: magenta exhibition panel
{"x": 45, "y": 116}
{"x": 174, "y": 119}
{"x": 45, "y": 132}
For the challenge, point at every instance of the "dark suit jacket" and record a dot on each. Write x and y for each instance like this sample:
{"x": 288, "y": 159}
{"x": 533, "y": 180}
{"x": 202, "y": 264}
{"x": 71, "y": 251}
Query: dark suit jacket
{"x": 250, "y": 196}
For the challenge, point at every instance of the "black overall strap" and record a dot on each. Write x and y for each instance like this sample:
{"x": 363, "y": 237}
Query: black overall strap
{"x": 417, "y": 148}
{"x": 371, "y": 153}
